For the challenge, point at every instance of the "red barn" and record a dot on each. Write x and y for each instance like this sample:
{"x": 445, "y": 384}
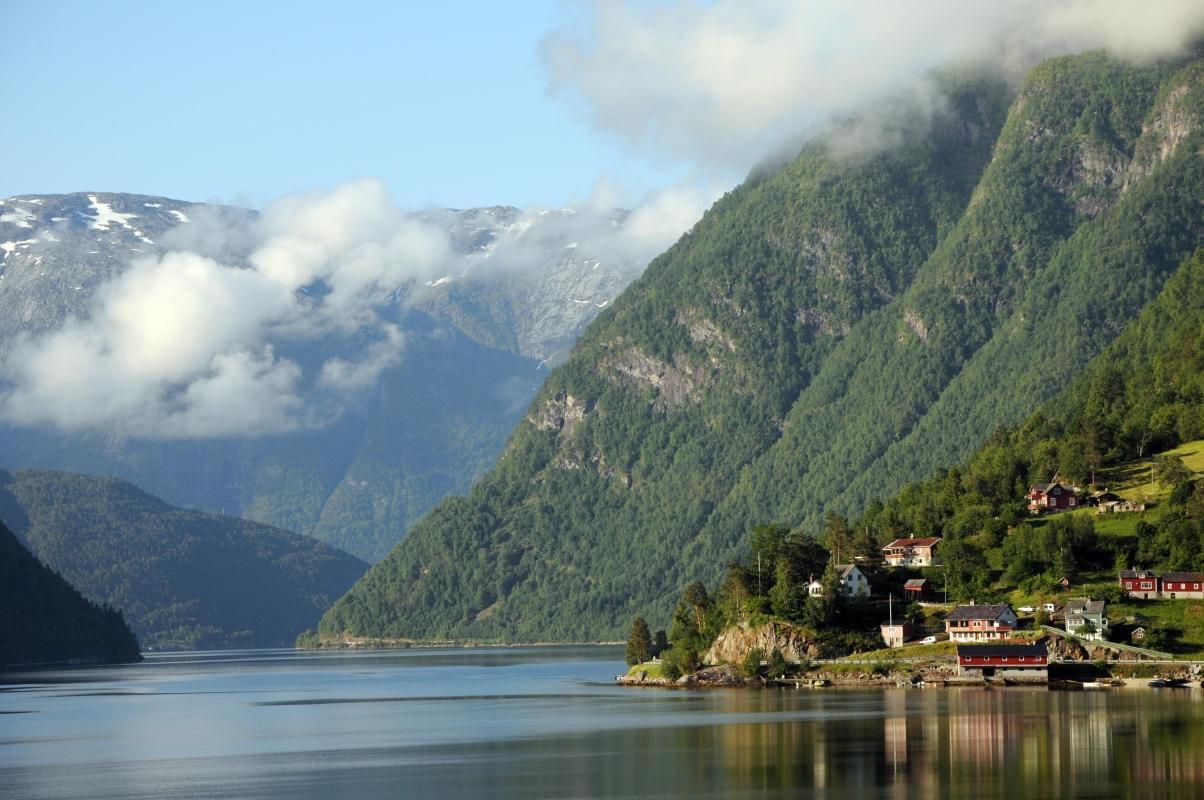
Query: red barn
{"x": 1178, "y": 585}
{"x": 1020, "y": 661}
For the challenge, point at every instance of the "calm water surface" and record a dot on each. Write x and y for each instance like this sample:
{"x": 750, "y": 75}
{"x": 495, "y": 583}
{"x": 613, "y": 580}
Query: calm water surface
{"x": 548, "y": 722}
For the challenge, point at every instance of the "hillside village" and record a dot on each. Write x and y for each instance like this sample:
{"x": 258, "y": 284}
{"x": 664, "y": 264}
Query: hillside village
{"x": 1092, "y": 614}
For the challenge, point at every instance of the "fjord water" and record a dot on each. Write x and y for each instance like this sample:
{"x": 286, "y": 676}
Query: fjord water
{"x": 549, "y": 722}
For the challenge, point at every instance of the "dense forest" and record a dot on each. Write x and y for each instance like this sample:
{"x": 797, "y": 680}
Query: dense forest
{"x": 181, "y": 578}
{"x": 830, "y": 331}
{"x": 46, "y": 621}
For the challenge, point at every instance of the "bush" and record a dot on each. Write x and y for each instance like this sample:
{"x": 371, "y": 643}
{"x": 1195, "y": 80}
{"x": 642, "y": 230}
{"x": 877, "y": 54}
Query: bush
{"x": 750, "y": 667}
{"x": 777, "y": 663}
{"x": 679, "y": 660}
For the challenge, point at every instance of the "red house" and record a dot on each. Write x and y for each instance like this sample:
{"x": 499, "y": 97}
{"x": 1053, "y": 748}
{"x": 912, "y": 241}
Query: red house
{"x": 1052, "y": 497}
{"x": 1023, "y": 661}
{"x": 1141, "y": 583}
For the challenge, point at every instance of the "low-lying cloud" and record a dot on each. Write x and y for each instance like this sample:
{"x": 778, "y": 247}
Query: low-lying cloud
{"x": 723, "y": 84}
{"x": 190, "y": 343}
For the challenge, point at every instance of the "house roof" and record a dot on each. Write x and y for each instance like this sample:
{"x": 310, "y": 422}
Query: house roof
{"x": 927, "y": 541}
{"x": 916, "y": 583}
{"x": 1009, "y": 650}
{"x": 843, "y": 570}
{"x": 990, "y": 611}
{"x": 1084, "y": 605}
{"x": 1046, "y": 488}
{"x": 1138, "y": 573}
{"x": 1183, "y": 576}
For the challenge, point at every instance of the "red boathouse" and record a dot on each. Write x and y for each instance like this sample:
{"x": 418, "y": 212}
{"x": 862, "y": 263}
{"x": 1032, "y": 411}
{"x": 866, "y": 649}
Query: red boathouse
{"x": 1028, "y": 662}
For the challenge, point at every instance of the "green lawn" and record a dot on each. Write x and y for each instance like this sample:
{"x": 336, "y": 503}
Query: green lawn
{"x": 653, "y": 668}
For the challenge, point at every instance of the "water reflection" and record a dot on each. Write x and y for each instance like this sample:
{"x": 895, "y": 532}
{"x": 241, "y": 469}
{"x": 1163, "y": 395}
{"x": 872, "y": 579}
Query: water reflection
{"x": 540, "y": 723}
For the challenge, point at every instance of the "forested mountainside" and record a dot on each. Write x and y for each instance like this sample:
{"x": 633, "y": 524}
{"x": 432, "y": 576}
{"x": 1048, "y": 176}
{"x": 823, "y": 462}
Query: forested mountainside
{"x": 47, "y": 621}
{"x": 433, "y": 422}
{"x": 830, "y": 331}
{"x": 181, "y": 578}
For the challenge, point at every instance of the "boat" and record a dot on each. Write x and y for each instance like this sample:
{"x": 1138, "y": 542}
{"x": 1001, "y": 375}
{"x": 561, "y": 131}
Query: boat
{"x": 1157, "y": 683}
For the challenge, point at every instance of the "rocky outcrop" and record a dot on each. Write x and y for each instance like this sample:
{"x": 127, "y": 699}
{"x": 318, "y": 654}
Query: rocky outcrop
{"x": 561, "y": 412}
{"x": 672, "y": 384}
{"x": 1177, "y": 116}
{"x": 734, "y": 644}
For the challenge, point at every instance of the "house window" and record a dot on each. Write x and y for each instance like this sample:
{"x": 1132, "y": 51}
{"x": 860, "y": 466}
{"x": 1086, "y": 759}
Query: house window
{"x": 1072, "y": 501}
{"x": 1147, "y": 585}
{"x": 1197, "y": 587}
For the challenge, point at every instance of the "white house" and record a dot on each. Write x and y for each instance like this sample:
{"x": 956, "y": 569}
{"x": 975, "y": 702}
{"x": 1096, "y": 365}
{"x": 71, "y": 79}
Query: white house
{"x": 853, "y": 583}
{"x": 1088, "y": 616}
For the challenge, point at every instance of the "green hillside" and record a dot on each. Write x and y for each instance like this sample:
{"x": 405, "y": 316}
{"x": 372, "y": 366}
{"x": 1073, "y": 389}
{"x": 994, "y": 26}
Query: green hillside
{"x": 46, "y": 621}
{"x": 181, "y": 578}
{"x": 1131, "y": 418}
{"x": 828, "y": 332}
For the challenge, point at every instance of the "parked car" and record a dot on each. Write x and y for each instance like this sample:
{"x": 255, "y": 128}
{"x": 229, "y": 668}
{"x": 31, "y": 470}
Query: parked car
{"x": 928, "y": 640}
{"x": 1026, "y": 609}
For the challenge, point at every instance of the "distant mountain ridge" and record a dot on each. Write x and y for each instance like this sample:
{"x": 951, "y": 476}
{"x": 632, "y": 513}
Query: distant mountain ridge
{"x": 476, "y": 340}
{"x": 183, "y": 579}
{"x": 830, "y": 331}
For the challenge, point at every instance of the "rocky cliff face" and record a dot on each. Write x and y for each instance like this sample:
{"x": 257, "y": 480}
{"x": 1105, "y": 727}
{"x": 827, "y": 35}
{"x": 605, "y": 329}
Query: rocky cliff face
{"x": 736, "y": 642}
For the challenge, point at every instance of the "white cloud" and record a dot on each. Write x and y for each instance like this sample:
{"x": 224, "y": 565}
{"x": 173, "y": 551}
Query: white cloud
{"x": 192, "y": 343}
{"x": 724, "y": 83}
{"x": 184, "y": 345}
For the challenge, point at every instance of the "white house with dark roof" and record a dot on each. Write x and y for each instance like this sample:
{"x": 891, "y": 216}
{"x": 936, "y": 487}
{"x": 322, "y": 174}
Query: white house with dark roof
{"x": 853, "y": 583}
{"x": 1084, "y": 613}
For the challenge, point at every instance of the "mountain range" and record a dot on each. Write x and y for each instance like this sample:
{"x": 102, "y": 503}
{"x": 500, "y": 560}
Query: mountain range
{"x": 518, "y": 291}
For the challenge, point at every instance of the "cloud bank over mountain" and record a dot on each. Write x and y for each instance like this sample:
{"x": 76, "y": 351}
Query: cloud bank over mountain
{"x": 723, "y": 84}
{"x": 216, "y": 334}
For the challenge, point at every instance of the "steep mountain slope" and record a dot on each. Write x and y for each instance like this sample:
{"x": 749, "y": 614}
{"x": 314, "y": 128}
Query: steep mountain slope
{"x": 826, "y": 332}
{"x": 47, "y": 621}
{"x": 1038, "y": 278}
{"x": 520, "y": 291}
{"x": 182, "y": 578}
{"x": 675, "y": 388}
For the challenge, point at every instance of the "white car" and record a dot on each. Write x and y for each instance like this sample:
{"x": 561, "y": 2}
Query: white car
{"x": 1026, "y": 609}
{"x": 928, "y": 640}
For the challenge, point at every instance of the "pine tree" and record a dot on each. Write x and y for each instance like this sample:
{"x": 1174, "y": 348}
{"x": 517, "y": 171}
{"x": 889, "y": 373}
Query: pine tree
{"x": 639, "y": 643}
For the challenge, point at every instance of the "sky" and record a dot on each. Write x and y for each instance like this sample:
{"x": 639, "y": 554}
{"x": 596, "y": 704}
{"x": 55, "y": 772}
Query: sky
{"x": 336, "y": 119}
{"x": 242, "y": 102}
{"x": 465, "y": 103}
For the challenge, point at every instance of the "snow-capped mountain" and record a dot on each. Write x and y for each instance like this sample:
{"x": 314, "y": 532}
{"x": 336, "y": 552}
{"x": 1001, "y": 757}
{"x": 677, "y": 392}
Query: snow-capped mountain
{"x": 517, "y": 290}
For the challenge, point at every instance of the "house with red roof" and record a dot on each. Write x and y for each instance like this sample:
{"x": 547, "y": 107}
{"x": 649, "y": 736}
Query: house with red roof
{"x": 912, "y": 552}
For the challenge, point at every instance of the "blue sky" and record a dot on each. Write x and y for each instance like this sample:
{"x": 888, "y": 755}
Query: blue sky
{"x": 244, "y": 101}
